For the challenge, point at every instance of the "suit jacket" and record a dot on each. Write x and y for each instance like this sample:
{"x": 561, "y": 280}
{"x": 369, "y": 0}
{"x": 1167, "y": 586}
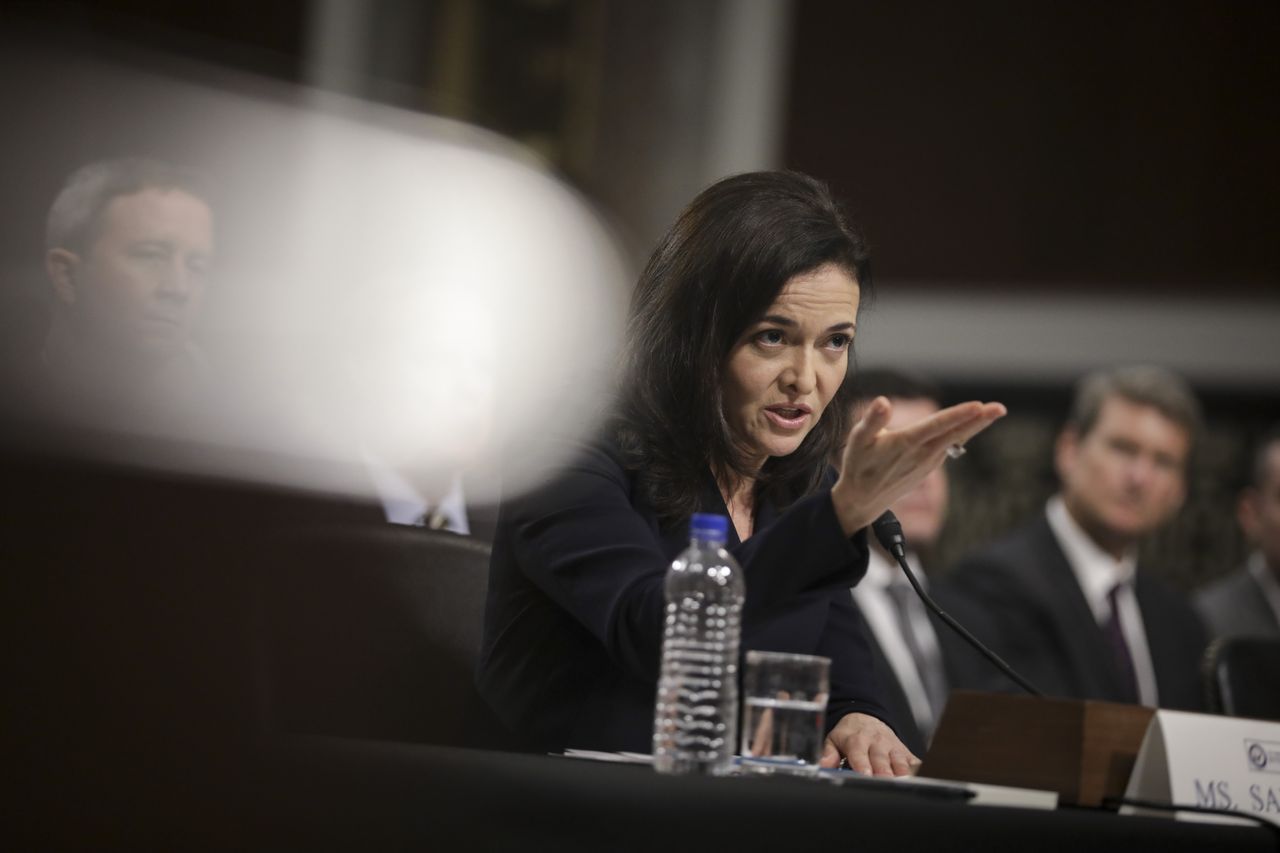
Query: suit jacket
{"x": 1234, "y": 606}
{"x": 897, "y": 706}
{"x": 1022, "y": 599}
{"x": 896, "y": 703}
{"x": 575, "y": 610}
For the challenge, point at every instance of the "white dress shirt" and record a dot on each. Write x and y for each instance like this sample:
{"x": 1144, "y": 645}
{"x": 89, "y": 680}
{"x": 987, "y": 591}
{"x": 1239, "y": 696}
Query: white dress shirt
{"x": 1098, "y": 573}
{"x": 404, "y": 504}
{"x": 873, "y": 599}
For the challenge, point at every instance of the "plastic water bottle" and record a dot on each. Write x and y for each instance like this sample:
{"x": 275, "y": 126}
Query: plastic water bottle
{"x": 695, "y": 721}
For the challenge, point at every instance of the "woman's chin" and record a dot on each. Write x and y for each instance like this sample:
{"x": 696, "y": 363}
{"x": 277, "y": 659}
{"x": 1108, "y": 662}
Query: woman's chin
{"x": 785, "y": 447}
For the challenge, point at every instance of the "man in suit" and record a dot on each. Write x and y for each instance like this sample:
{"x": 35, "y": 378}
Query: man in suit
{"x": 1247, "y": 601}
{"x": 907, "y": 648}
{"x": 1063, "y": 599}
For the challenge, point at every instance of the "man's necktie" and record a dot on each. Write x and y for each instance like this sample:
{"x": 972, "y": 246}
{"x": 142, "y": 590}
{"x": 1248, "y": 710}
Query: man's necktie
{"x": 927, "y": 659}
{"x": 1120, "y": 646}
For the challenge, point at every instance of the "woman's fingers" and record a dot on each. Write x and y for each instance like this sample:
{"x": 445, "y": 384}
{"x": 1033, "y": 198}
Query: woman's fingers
{"x": 878, "y": 757}
{"x": 952, "y": 425}
{"x": 874, "y": 419}
{"x": 858, "y": 760}
{"x": 830, "y": 755}
{"x": 987, "y": 414}
{"x": 904, "y": 762}
{"x": 869, "y": 746}
{"x": 948, "y": 421}
{"x": 879, "y": 466}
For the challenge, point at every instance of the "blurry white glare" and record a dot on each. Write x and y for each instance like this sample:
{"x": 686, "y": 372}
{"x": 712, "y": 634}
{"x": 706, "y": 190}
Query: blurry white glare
{"x": 391, "y": 286}
{"x": 444, "y": 306}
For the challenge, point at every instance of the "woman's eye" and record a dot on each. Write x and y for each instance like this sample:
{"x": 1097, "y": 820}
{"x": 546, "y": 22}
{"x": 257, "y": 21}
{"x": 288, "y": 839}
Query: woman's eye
{"x": 772, "y": 337}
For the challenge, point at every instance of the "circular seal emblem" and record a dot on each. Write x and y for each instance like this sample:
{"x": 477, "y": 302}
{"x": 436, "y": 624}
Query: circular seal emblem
{"x": 1257, "y": 756}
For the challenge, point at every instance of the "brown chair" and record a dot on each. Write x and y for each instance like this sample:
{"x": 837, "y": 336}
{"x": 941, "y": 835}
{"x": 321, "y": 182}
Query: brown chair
{"x": 1242, "y": 677}
{"x": 373, "y": 631}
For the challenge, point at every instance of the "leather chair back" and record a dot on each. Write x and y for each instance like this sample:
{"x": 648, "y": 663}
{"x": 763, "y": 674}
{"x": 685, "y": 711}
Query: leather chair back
{"x": 373, "y": 631}
{"x": 1242, "y": 677}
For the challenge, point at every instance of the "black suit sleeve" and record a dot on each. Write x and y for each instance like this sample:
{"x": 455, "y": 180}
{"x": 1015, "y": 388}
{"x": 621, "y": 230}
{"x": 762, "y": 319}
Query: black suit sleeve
{"x": 1177, "y": 639}
{"x": 855, "y": 687}
{"x": 584, "y": 545}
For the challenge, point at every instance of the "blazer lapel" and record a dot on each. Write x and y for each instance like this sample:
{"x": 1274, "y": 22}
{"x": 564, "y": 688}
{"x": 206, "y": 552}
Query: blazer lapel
{"x": 1088, "y": 656}
{"x": 1256, "y": 616}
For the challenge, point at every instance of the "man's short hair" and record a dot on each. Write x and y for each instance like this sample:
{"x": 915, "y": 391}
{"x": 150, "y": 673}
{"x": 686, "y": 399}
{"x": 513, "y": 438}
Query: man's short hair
{"x": 76, "y": 213}
{"x": 898, "y": 384}
{"x": 1161, "y": 389}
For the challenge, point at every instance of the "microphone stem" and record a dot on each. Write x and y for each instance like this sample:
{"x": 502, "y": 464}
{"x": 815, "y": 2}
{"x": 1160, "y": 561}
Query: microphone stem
{"x": 995, "y": 659}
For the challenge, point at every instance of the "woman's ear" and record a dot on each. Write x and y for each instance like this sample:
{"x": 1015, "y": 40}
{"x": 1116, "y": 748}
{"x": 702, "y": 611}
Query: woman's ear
{"x": 62, "y": 266}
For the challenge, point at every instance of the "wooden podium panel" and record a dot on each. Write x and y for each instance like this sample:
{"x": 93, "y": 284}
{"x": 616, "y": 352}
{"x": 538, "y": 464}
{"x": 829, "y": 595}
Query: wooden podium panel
{"x": 1083, "y": 749}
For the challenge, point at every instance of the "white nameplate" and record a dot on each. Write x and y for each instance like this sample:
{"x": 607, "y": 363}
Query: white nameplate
{"x": 1209, "y": 761}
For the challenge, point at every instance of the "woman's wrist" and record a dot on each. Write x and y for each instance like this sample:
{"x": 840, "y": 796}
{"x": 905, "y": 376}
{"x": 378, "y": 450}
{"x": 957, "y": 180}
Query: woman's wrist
{"x": 852, "y": 514}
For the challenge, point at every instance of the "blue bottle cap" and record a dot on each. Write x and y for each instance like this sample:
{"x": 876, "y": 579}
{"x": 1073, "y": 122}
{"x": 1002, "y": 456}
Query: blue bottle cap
{"x": 707, "y": 525}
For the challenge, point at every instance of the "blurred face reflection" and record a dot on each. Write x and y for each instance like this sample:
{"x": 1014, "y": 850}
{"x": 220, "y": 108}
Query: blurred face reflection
{"x": 137, "y": 288}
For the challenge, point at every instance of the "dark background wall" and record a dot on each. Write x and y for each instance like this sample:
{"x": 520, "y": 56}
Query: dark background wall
{"x": 1113, "y": 145}
{"x": 1108, "y": 157}
{"x": 1029, "y": 145}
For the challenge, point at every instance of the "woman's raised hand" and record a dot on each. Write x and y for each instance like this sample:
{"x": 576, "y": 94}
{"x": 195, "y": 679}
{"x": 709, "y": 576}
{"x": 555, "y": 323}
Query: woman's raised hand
{"x": 881, "y": 465}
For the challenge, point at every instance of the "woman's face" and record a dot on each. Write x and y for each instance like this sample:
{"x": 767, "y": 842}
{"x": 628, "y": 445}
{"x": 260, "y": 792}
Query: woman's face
{"x": 784, "y": 370}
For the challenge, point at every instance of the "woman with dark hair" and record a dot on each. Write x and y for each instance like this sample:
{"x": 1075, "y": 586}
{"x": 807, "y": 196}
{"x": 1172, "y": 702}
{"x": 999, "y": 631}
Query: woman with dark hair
{"x": 738, "y": 343}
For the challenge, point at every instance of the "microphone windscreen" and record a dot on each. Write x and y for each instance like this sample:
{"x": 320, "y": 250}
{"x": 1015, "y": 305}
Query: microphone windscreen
{"x": 888, "y": 531}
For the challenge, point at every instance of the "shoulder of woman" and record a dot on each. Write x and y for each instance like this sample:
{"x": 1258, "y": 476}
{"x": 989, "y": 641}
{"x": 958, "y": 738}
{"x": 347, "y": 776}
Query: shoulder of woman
{"x": 598, "y": 456}
{"x": 603, "y": 455}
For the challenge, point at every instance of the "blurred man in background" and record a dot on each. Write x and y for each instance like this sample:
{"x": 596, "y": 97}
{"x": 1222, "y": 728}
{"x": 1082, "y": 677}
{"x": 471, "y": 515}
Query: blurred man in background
{"x": 128, "y": 248}
{"x": 1247, "y": 602}
{"x": 1063, "y": 599}
{"x": 905, "y": 643}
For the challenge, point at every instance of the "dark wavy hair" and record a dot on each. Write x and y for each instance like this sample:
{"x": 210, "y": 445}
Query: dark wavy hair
{"x": 714, "y": 274}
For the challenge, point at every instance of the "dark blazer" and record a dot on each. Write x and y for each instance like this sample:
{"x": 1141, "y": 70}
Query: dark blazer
{"x": 1021, "y": 597}
{"x": 575, "y": 609}
{"x": 896, "y": 704}
{"x": 1235, "y": 606}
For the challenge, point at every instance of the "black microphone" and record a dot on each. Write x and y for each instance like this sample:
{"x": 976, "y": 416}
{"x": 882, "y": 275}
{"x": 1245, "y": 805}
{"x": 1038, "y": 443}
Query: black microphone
{"x": 889, "y": 534}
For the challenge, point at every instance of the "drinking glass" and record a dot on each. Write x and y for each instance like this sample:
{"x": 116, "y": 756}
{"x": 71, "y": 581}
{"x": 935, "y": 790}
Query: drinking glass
{"x": 785, "y": 703}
